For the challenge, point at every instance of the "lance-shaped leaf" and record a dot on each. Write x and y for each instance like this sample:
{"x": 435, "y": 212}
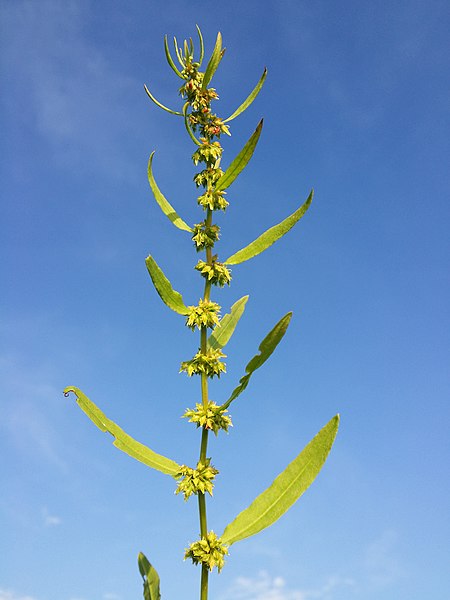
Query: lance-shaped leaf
{"x": 153, "y": 99}
{"x": 249, "y": 99}
{"x": 170, "y": 59}
{"x": 241, "y": 160}
{"x": 169, "y": 296}
{"x": 214, "y": 61}
{"x": 122, "y": 440}
{"x": 266, "y": 347}
{"x": 286, "y": 489}
{"x": 223, "y": 332}
{"x": 269, "y": 237}
{"x": 150, "y": 577}
{"x": 202, "y": 47}
{"x": 165, "y": 206}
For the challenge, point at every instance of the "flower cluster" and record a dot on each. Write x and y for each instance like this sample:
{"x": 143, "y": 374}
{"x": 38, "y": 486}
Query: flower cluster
{"x": 209, "y": 152}
{"x": 208, "y": 363}
{"x": 209, "y": 551}
{"x": 205, "y": 235}
{"x": 196, "y": 480}
{"x": 206, "y": 314}
{"x": 213, "y": 199}
{"x": 208, "y": 176}
{"x": 216, "y": 273}
{"x": 211, "y": 417}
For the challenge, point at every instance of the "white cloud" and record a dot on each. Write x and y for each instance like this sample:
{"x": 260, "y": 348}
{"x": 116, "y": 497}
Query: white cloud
{"x": 50, "y": 520}
{"x": 9, "y": 595}
{"x": 265, "y": 587}
{"x": 111, "y": 596}
{"x": 380, "y": 562}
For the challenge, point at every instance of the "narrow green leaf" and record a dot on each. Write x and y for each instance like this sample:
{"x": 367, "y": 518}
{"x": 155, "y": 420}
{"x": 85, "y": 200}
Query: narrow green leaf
{"x": 270, "y": 236}
{"x": 266, "y": 347}
{"x": 169, "y": 296}
{"x": 188, "y": 126}
{"x": 170, "y": 59}
{"x": 153, "y": 99}
{"x": 202, "y": 46}
{"x": 177, "y": 52}
{"x": 250, "y": 98}
{"x": 286, "y": 489}
{"x": 241, "y": 160}
{"x": 214, "y": 61}
{"x": 150, "y": 577}
{"x": 223, "y": 332}
{"x": 165, "y": 206}
{"x": 122, "y": 440}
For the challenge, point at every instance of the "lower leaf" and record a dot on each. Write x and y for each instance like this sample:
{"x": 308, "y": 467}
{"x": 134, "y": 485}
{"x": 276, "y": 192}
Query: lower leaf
{"x": 150, "y": 577}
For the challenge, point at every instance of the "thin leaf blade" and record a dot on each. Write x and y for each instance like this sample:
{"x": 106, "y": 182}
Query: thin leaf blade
{"x": 170, "y": 59}
{"x": 265, "y": 349}
{"x": 122, "y": 440}
{"x": 153, "y": 99}
{"x": 214, "y": 61}
{"x": 150, "y": 577}
{"x": 202, "y": 46}
{"x": 169, "y": 296}
{"x": 223, "y": 332}
{"x": 249, "y": 98}
{"x": 241, "y": 160}
{"x": 286, "y": 489}
{"x": 270, "y": 236}
{"x": 163, "y": 203}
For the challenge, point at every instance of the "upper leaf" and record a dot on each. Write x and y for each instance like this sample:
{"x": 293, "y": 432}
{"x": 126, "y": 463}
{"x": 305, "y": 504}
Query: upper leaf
{"x": 223, "y": 332}
{"x": 286, "y": 488}
{"x": 165, "y": 206}
{"x": 150, "y": 577}
{"x": 249, "y": 99}
{"x": 169, "y": 296}
{"x": 170, "y": 59}
{"x": 122, "y": 440}
{"x": 214, "y": 61}
{"x": 241, "y": 160}
{"x": 270, "y": 236}
{"x": 153, "y": 99}
{"x": 266, "y": 347}
{"x": 202, "y": 47}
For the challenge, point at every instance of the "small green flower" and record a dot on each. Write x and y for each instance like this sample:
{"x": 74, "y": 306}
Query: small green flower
{"x": 196, "y": 480}
{"x": 208, "y": 152}
{"x": 206, "y": 314}
{"x": 208, "y": 177}
{"x": 210, "y": 417}
{"x": 216, "y": 273}
{"x": 213, "y": 199}
{"x": 208, "y": 363}
{"x": 209, "y": 551}
{"x": 205, "y": 236}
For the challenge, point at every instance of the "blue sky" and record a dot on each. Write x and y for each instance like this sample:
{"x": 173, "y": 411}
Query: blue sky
{"x": 355, "y": 105}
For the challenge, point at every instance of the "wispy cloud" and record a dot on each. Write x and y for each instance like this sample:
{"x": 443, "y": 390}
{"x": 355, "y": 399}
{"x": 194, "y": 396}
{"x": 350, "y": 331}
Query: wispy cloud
{"x": 10, "y": 595}
{"x": 266, "y": 587}
{"x": 381, "y": 563}
{"x": 49, "y": 519}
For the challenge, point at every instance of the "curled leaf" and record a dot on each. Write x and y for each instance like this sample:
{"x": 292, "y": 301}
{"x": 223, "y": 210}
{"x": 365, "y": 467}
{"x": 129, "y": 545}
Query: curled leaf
{"x": 169, "y": 296}
{"x": 286, "y": 489}
{"x": 170, "y": 59}
{"x": 202, "y": 47}
{"x": 223, "y": 332}
{"x": 249, "y": 99}
{"x": 188, "y": 126}
{"x": 122, "y": 440}
{"x": 266, "y": 348}
{"x": 164, "y": 205}
{"x": 270, "y": 236}
{"x": 241, "y": 160}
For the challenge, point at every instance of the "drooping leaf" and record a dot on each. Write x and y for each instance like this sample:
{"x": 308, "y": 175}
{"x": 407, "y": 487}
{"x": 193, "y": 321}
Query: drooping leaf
{"x": 150, "y": 577}
{"x": 249, "y": 99}
{"x": 188, "y": 126}
{"x": 214, "y": 61}
{"x": 266, "y": 347}
{"x": 122, "y": 440}
{"x": 153, "y": 99}
{"x": 169, "y": 296}
{"x": 202, "y": 47}
{"x": 165, "y": 206}
{"x": 170, "y": 59}
{"x": 286, "y": 489}
{"x": 269, "y": 237}
{"x": 241, "y": 160}
{"x": 223, "y": 332}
